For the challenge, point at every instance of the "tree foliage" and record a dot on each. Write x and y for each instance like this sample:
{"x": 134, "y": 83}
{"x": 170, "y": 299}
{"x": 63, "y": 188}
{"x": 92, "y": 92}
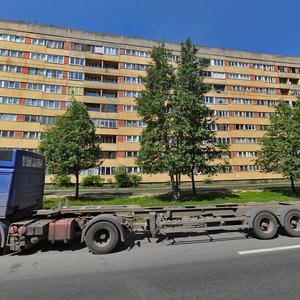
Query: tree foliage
{"x": 71, "y": 144}
{"x": 280, "y": 146}
{"x": 192, "y": 119}
{"x": 178, "y": 139}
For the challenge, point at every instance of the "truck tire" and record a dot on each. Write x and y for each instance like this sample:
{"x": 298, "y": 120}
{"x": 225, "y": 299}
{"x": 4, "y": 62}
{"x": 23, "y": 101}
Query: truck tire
{"x": 102, "y": 237}
{"x": 292, "y": 223}
{"x": 265, "y": 226}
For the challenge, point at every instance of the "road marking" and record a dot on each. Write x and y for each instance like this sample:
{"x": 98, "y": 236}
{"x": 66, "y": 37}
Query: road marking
{"x": 268, "y": 250}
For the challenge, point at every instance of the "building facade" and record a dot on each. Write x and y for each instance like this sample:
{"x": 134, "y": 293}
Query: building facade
{"x": 43, "y": 67}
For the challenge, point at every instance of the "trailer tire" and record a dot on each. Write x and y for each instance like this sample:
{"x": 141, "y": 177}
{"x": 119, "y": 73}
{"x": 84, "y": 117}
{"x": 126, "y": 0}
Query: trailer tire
{"x": 292, "y": 223}
{"x": 102, "y": 237}
{"x": 265, "y": 226}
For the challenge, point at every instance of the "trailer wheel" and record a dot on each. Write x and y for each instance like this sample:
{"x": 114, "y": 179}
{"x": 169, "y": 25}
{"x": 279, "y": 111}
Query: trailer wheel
{"x": 102, "y": 237}
{"x": 265, "y": 226}
{"x": 292, "y": 223}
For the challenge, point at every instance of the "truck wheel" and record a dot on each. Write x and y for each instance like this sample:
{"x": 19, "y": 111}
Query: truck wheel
{"x": 265, "y": 226}
{"x": 292, "y": 223}
{"x": 102, "y": 237}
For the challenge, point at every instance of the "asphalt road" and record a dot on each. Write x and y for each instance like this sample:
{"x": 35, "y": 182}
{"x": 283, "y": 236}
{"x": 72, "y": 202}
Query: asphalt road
{"x": 125, "y": 191}
{"x": 198, "y": 267}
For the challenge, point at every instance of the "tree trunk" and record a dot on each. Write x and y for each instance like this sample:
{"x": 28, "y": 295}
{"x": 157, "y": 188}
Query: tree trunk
{"x": 77, "y": 185}
{"x": 293, "y": 184}
{"x": 193, "y": 182}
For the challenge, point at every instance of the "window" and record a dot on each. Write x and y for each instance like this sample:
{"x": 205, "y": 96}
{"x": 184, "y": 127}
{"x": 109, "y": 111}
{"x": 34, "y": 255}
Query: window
{"x": 135, "y": 67}
{"x": 245, "y": 127}
{"x": 240, "y": 140}
{"x": 236, "y": 88}
{"x": 109, "y": 108}
{"x": 31, "y": 135}
{"x": 217, "y": 62}
{"x": 7, "y": 134}
{"x": 77, "y": 61}
{"x": 28, "y": 118}
{"x": 239, "y": 76}
{"x": 36, "y": 71}
{"x": 74, "y": 90}
{"x": 8, "y": 117}
{"x": 107, "y": 170}
{"x": 12, "y": 53}
{"x": 265, "y": 79}
{"x": 14, "y": 69}
{"x": 9, "y": 100}
{"x": 78, "y": 47}
{"x": 55, "y": 44}
{"x": 271, "y": 103}
{"x": 109, "y": 154}
{"x": 136, "y": 80}
{"x": 133, "y": 170}
{"x": 46, "y": 120}
{"x": 268, "y": 68}
{"x": 238, "y": 64}
{"x": 215, "y": 100}
{"x": 136, "y": 53}
{"x": 224, "y": 169}
{"x": 46, "y": 88}
{"x": 241, "y": 101}
{"x": 105, "y": 123}
{"x": 131, "y": 153}
{"x": 223, "y": 140}
{"x": 54, "y": 73}
{"x": 246, "y": 154}
{"x": 111, "y": 51}
{"x": 109, "y": 94}
{"x": 40, "y": 42}
{"x": 250, "y": 168}
{"x": 265, "y": 114}
{"x": 10, "y": 84}
{"x": 131, "y": 94}
{"x": 135, "y": 123}
{"x": 219, "y": 127}
{"x": 266, "y": 91}
{"x": 218, "y": 75}
{"x": 55, "y": 59}
{"x": 130, "y": 108}
{"x": 12, "y": 38}
{"x": 222, "y": 113}
{"x": 76, "y": 76}
{"x": 244, "y": 114}
{"x": 132, "y": 138}
{"x": 108, "y": 139}
{"x": 48, "y": 104}
{"x": 39, "y": 56}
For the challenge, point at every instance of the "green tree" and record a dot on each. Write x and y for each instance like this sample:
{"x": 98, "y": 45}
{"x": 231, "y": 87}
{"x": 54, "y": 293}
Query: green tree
{"x": 156, "y": 153}
{"x": 192, "y": 120}
{"x": 71, "y": 144}
{"x": 178, "y": 139}
{"x": 280, "y": 146}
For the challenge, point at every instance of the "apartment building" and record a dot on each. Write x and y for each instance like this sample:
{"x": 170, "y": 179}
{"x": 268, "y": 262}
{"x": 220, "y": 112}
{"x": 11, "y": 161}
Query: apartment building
{"x": 43, "y": 67}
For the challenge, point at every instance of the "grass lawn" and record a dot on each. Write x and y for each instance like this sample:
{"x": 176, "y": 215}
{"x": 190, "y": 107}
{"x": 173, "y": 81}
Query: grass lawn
{"x": 203, "y": 198}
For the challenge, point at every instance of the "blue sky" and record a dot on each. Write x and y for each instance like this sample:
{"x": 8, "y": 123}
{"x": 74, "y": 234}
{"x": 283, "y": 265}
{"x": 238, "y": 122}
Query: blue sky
{"x": 269, "y": 26}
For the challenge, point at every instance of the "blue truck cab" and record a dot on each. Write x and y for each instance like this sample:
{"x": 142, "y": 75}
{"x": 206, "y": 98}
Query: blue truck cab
{"x": 22, "y": 176}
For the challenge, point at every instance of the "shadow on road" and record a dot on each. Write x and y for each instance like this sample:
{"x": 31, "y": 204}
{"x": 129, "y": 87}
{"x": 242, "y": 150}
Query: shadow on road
{"x": 136, "y": 240}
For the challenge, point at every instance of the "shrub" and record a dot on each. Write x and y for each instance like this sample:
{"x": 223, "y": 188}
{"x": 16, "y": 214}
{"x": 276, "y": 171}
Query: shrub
{"x": 207, "y": 181}
{"x": 135, "y": 180}
{"x": 93, "y": 180}
{"x": 122, "y": 177}
{"x": 61, "y": 180}
{"x": 110, "y": 182}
